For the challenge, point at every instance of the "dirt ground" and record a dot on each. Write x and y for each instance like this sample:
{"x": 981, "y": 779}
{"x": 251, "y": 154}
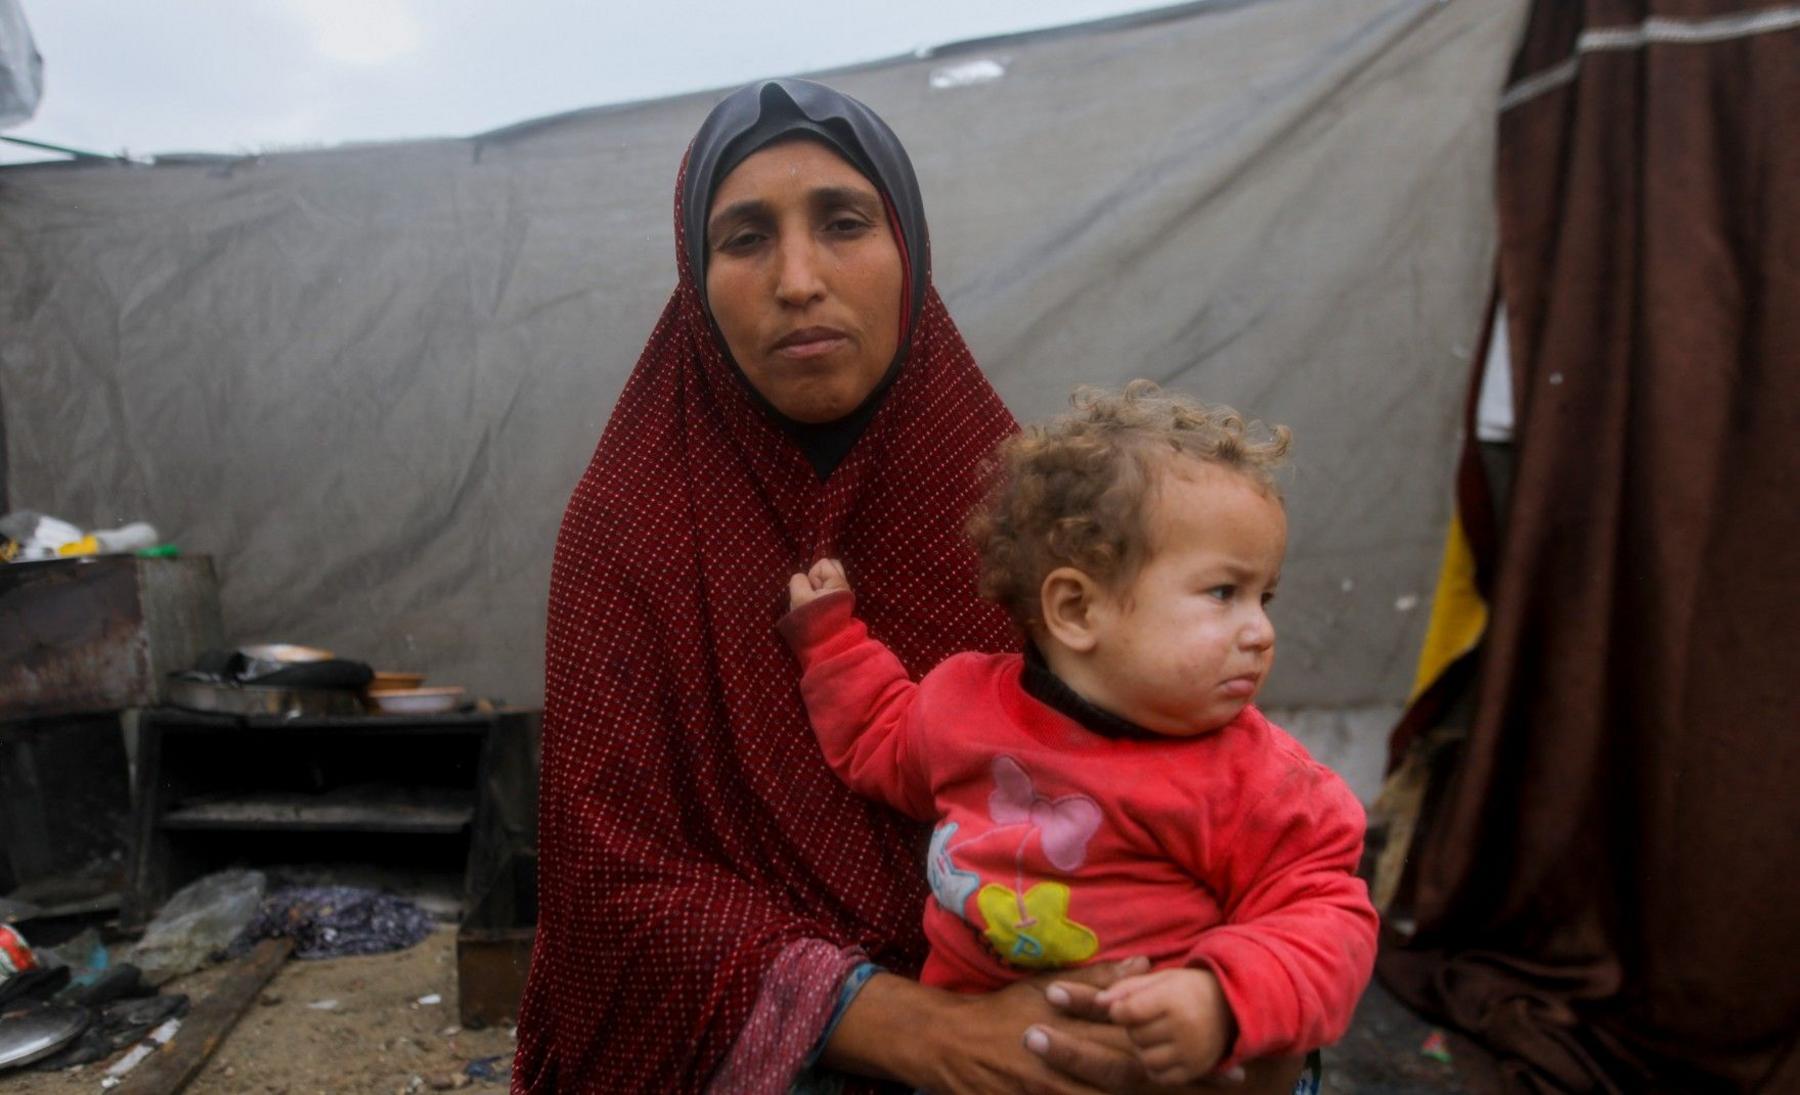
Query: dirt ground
{"x": 377, "y": 1039}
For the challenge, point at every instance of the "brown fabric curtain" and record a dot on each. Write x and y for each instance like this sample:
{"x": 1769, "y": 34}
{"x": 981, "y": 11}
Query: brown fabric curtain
{"x": 1607, "y": 891}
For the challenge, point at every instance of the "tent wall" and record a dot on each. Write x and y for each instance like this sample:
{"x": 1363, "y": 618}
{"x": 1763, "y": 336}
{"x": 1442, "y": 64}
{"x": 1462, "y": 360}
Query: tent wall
{"x": 21, "y": 67}
{"x": 364, "y": 380}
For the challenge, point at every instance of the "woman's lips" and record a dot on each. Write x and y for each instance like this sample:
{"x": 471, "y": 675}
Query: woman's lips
{"x": 809, "y": 342}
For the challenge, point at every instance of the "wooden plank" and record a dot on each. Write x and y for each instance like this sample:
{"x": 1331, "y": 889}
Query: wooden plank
{"x": 170, "y": 1069}
{"x": 149, "y": 847}
{"x": 490, "y": 974}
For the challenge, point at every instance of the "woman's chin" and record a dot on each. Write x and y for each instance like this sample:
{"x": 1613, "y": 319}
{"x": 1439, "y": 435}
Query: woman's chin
{"x": 817, "y": 410}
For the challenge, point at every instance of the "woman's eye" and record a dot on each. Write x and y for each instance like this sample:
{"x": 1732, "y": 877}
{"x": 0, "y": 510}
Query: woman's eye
{"x": 741, "y": 241}
{"x": 847, "y": 226}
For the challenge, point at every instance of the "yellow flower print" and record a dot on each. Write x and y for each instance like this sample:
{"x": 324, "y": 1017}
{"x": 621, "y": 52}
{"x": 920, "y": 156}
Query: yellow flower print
{"x": 1035, "y": 932}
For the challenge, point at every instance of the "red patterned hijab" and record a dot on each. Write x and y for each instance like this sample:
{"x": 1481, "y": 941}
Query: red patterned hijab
{"x": 690, "y": 833}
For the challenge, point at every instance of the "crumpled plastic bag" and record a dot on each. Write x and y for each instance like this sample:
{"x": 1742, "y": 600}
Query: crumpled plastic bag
{"x": 31, "y": 536}
{"x": 201, "y": 920}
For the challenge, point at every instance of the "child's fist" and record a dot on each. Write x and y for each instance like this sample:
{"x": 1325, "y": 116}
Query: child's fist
{"x": 1179, "y": 1022}
{"x": 826, "y": 576}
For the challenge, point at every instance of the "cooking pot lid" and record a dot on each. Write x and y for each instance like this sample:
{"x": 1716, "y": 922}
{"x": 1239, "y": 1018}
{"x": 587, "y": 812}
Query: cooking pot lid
{"x": 36, "y": 1034}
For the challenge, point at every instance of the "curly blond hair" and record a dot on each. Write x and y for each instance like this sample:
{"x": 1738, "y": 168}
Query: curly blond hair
{"x": 1071, "y": 491}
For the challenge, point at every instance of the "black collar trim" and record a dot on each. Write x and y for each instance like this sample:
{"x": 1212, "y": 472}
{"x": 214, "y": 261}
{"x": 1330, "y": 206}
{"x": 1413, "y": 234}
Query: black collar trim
{"x": 1044, "y": 686}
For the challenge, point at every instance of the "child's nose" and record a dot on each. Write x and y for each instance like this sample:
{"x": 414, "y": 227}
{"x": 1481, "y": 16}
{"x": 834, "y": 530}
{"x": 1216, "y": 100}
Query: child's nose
{"x": 1258, "y": 632}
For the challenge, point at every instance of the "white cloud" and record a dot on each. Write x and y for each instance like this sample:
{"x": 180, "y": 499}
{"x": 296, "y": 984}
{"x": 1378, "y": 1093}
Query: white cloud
{"x": 158, "y": 76}
{"x": 361, "y": 32}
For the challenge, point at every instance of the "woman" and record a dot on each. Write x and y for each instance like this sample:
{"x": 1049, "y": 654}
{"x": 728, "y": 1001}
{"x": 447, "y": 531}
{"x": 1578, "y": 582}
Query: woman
{"x": 714, "y": 903}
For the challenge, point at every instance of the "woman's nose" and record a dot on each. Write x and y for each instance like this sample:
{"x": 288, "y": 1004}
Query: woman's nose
{"x": 797, "y": 275}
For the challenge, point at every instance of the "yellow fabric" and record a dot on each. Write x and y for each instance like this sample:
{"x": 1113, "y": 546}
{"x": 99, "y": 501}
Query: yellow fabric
{"x": 1035, "y": 931}
{"x": 1458, "y": 614}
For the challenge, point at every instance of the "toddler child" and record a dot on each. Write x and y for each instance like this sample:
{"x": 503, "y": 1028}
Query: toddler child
{"x": 1112, "y": 792}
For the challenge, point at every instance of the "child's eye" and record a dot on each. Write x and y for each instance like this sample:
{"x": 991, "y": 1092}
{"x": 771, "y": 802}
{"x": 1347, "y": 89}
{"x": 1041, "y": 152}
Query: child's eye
{"x": 1267, "y": 597}
{"x": 1222, "y": 593}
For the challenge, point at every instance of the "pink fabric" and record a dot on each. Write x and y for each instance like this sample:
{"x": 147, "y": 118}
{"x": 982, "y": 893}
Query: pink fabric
{"x": 690, "y": 834}
{"x": 799, "y": 992}
{"x": 1234, "y": 851}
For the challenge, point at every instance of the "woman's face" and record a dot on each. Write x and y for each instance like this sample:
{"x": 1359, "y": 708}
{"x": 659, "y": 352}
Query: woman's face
{"x": 803, "y": 277}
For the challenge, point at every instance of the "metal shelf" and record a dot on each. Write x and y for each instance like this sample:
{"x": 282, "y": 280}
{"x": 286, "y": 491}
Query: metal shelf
{"x": 348, "y": 810}
{"x": 216, "y": 789}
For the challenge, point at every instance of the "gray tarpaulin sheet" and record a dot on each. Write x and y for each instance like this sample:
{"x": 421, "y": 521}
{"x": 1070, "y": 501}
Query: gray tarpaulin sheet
{"x": 366, "y": 379}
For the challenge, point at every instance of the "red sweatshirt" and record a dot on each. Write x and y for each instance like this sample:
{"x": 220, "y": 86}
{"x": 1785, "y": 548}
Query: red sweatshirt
{"x": 1056, "y": 846}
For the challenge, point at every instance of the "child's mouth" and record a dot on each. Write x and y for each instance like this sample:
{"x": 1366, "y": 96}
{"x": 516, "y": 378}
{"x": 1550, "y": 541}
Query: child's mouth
{"x": 1239, "y": 687}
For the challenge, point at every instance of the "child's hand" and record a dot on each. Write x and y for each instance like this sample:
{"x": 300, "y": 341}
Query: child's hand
{"x": 826, "y": 576}
{"x": 1178, "y": 1019}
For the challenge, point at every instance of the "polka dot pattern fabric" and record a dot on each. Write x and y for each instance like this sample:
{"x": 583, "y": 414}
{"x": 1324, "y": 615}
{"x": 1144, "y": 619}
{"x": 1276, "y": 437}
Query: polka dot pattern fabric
{"x": 690, "y": 833}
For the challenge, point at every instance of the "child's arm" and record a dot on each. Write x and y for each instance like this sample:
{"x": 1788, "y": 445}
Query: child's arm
{"x": 1298, "y": 943}
{"x": 857, "y": 693}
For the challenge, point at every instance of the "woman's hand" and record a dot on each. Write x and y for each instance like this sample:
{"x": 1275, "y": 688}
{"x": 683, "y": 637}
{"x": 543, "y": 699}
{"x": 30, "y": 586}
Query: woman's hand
{"x": 982, "y": 1047}
{"x": 826, "y": 576}
{"x": 968, "y": 1045}
{"x": 1016, "y": 1040}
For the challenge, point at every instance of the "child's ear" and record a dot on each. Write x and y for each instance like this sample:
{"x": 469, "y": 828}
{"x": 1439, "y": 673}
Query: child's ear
{"x": 1067, "y": 600}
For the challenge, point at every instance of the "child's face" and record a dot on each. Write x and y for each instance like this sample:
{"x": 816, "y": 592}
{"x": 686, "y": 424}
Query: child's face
{"x": 1187, "y": 643}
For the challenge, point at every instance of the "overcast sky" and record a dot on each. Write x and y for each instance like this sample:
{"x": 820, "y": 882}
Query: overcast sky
{"x": 158, "y": 76}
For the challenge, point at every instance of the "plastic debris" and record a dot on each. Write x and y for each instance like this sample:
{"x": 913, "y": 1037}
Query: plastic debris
{"x": 16, "y": 955}
{"x": 201, "y": 920}
{"x": 1436, "y": 1047}
{"x": 486, "y": 1069}
{"x": 431, "y": 998}
{"x": 332, "y": 921}
{"x": 112, "y": 541}
{"x": 323, "y": 1005}
{"x": 24, "y": 975}
{"x": 112, "y": 983}
{"x": 31, "y": 536}
{"x": 27, "y": 536}
{"x": 85, "y": 955}
{"x": 157, "y": 1039}
{"x": 117, "y": 1025}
